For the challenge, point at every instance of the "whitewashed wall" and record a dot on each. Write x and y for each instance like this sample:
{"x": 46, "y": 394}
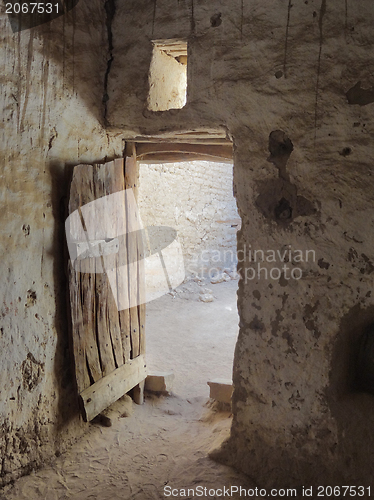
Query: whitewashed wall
{"x": 195, "y": 198}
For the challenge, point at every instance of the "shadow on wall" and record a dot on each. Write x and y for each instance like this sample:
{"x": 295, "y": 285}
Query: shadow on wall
{"x": 278, "y": 199}
{"x": 63, "y": 365}
{"x": 350, "y": 394}
{"x": 349, "y": 398}
{"x": 81, "y": 51}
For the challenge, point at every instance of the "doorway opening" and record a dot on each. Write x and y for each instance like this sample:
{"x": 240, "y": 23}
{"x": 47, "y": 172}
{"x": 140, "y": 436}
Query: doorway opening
{"x": 192, "y": 330}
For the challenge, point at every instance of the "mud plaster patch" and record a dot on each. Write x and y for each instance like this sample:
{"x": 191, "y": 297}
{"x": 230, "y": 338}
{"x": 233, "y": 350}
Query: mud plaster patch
{"x": 278, "y": 199}
{"x": 32, "y": 372}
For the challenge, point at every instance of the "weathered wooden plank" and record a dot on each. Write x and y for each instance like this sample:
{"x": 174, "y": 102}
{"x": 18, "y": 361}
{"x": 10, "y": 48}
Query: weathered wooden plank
{"x": 89, "y": 322}
{"x": 81, "y": 189}
{"x": 80, "y": 194}
{"x": 123, "y": 298}
{"x": 107, "y": 390}
{"x": 113, "y": 179}
{"x": 182, "y": 157}
{"x": 79, "y": 345}
{"x": 133, "y": 177}
{"x": 141, "y": 292}
{"x": 132, "y": 227}
{"x": 138, "y": 393}
{"x": 211, "y": 136}
{"x": 142, "y": 315}
{"x": 134, "y": 318}
{"x": 115, "y": 334}
{"x": 108, "y": 179}
{"x": 102, "y": 328}
{"x": 124, "y": 319}
{"x": 184, "y": 152}
{"x": 122, "y": 272}
{"x": 131, "y": 172}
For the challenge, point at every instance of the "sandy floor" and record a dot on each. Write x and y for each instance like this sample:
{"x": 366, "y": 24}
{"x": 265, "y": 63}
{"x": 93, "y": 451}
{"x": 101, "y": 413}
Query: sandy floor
{"x": 165, "y": 442}
{"x": 194, "y": 339}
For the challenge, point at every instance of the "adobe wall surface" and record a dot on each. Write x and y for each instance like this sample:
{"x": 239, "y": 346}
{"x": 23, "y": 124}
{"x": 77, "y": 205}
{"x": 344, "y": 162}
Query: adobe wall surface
{"x": 51, "y": 116}
{"x": 254, "y": 70}
{"x": 291, "y": 84}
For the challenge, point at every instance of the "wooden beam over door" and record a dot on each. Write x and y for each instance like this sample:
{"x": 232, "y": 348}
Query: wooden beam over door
{"x": 155, "y": 152}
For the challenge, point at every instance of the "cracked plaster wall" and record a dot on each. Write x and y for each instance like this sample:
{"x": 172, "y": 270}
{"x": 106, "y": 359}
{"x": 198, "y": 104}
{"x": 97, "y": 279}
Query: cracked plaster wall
{"x": 254, "y": 68}
{"x": 52, "y": 85}
{"x": 273, "y": 74}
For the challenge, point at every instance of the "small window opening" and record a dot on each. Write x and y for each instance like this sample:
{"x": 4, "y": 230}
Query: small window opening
{"x": 168, "y": 75}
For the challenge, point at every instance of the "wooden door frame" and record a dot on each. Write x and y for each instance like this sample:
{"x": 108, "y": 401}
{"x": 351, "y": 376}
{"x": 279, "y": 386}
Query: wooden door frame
{"x": 173, "y": 150}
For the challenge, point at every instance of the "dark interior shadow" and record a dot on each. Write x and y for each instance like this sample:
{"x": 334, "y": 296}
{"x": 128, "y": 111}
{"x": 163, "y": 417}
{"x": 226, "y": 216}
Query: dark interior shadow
{"x": 78, "y": 43}
{"x": 68, "y": 408}
{"x": 351, "y": 404}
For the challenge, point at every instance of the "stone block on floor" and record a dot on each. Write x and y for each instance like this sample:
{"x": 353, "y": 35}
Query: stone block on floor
{"x": 159, "y": 381}
{"x": 221, "y": 389}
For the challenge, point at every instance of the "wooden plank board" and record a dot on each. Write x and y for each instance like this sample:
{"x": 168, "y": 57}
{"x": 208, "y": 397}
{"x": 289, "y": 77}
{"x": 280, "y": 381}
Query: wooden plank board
{"x": 107, "y": 390}
{"x": 207, "y": 136}
{"x": 115, "y": 335}
{"x": 180, "y": 139}
{"x": 134, "y": 319}
{"x": 124, "y": 319}
{"x": 138, "y": 393}
{"x": 80, "y": 194}
{"x": 181, "y": 158}
{"x": 177, "y": 151}
{"x": 103, "y": 334}
{"x": 132, "y": 226}
{"x": 141, "y": 292}
{"x": 134, "y": 173}
{"x": 113, "y": 181}
{"x": 122, "y": 272}
{"x": 79, "y": 343}
{"x": 108, "y": 179}
{"x": 133, "y": 177}
{"x": 89, "y": 322}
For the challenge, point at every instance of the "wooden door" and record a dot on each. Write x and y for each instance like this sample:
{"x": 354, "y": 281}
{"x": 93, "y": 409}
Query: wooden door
{"x": 106, "y": 284}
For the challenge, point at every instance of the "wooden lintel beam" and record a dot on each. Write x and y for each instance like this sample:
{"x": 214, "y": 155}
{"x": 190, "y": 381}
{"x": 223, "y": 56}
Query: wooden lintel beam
{"x": 197, "y": 137}
{"x": 183, "y": 152}
{"x": 177, "y": 158}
